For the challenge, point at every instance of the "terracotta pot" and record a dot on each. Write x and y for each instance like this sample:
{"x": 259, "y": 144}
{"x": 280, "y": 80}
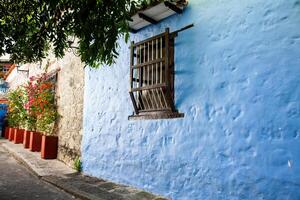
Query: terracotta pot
{"x": 26, "y": 139}
{"x": 14, "y": 133}
{"x": 49, "y": 147}
{"x": 19, "y": 135}
{"x": 11, "y": 134}
{"x": 35, "y": 141}
{"x": 6, "y": 133}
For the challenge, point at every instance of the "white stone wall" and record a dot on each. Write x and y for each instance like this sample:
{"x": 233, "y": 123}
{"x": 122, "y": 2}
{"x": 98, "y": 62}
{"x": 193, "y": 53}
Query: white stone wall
{"x": 69, "y": 92}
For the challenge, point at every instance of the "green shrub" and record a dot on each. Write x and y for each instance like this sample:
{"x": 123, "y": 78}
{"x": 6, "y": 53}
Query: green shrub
{"x": 16, "y": 115}
{"x": 77, "y": 164}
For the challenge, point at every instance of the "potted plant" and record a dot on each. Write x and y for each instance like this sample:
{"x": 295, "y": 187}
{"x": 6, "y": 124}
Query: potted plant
{"x": 32, "y": 139}
{"x": 19, "y": 135}
{"x": 18, "y": 101}
{"x": 30, "y": 125}
{"x": 11, "y": 124}
{"x": 15, "y": 113}
{"x": 46, "y": 119}
{"x": 49, "y": 144}
{"x": 11, "y": 134}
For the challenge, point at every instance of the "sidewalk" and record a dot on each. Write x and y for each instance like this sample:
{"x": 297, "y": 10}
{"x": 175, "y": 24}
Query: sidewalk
{"x": 67, "y": 179}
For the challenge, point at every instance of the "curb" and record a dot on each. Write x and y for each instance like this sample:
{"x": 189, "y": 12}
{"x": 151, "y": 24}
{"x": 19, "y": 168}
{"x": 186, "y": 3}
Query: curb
{"x": 69, "y": 190}
{"x": 21, "y": 160}
{"x": 77, "y": 194}
{"x": 71, "y": 182}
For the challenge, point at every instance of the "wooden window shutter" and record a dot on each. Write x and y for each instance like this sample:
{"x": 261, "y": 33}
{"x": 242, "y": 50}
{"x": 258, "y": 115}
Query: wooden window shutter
{"x": 152, "y": 75}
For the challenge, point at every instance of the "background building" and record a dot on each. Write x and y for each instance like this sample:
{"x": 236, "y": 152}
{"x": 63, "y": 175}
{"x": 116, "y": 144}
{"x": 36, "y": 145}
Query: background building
{"x": 69, "y": 75}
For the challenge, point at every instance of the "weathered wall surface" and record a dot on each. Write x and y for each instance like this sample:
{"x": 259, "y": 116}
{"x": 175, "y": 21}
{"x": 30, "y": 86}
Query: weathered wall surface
{"x": 70, "y": 106}
{"x": 238, "y": 83}
{"x": 69, "y": 93}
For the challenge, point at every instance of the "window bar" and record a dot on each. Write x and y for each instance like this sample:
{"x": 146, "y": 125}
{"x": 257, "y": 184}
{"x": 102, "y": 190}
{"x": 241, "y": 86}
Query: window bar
{"x": 140, "y": 62}
{"x": 142, "y": 101}
{"x": 140, "y": 75}
{"x": 150, "y": 100}
{"x": 137, "y": 75}
{"x": 131, "y": 64}
{"x": 167, "y": 56}
{"x": 160, "y": 63}
{"x": 156, "y": 68}
{"x": 152, "y": 66}
{"x": 155, "y": 100}
{"x": 164, "y": 98}
{"x": 143, "y": 70}
{"x": 147, "y": 83}
{"x": 148, "y": 77}
{"x": 134, "y": 102}
{"x": 159, "y": 97}
{"x": 145, "y": 106}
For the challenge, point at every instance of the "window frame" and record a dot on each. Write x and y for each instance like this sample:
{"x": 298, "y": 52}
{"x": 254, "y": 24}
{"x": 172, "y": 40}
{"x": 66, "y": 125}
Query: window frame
{"x": 166, "y": 85}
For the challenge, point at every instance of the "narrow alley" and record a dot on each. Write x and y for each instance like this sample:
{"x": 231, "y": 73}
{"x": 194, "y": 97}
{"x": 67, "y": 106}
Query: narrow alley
{"x": 17, "y": 182}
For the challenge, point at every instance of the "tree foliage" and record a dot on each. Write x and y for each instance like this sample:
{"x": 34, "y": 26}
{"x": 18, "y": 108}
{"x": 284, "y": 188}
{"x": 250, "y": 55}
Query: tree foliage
{"x": 29, "y": 28}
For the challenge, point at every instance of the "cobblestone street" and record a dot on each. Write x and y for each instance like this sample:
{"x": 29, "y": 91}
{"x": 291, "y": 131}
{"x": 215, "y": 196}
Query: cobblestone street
{"x": 16, "y": 182}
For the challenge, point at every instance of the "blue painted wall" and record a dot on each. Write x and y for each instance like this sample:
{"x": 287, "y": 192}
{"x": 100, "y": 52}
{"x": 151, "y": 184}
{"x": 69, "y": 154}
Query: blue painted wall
{"x": 3, "y": 111}
{"x": 238, "y": 83}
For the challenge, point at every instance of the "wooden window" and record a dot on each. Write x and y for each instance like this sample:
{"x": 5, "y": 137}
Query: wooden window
{"x": 52, "y": 78}
{"x": 152, "y": 78}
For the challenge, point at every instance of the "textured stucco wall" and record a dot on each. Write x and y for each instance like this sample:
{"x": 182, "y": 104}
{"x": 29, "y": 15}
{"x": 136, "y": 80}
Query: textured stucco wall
{"x": 69, "y": 94}
{"x": 70, "y": 106}
{"x": 238, "y": 83}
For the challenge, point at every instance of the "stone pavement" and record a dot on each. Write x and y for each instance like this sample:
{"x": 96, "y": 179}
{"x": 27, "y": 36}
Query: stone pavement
{"x": 18, "y": 183}
{"x": 65, "y": 178}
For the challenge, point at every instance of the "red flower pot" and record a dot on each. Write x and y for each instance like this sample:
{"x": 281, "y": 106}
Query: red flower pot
{"x": 6, "y": 133}
{"x": 11, "y": 134}
{"x": 19, "y": 135}
{"x": 49, "y": 147}
{"x": 26, "y": 139}
{"x": 35, "y": 141}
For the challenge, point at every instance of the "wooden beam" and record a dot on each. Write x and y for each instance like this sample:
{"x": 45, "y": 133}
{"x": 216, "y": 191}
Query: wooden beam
{"x": 148, "y": 19}
{"x": 173, "y": 7}
{"x": 134, "y": 103}
{"x": 149, "y": 87}
{"x": 132, "y": 30}
{"x": 156, "y": 115}
{"x": 12, "y": 67}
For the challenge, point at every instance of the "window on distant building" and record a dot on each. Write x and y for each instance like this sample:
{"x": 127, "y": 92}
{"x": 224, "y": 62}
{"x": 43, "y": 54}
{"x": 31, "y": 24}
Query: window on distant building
{"x": 3, "y": 69}
{"x": 152, "y": 78}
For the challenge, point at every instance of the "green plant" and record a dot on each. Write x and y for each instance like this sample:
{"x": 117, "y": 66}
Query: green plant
{"x": 16, "y": 116}
{"x": 41, "y": 24}
{"x": 45, "y": 106}
{"x": 40, "y": 105}
{"x": 29, "y": 97}
{"x": 77, "y": 165}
